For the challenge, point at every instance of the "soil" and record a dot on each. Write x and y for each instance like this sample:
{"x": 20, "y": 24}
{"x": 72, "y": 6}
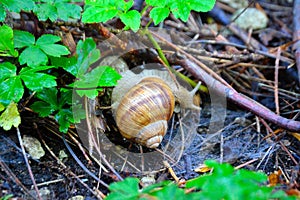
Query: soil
{"x": 238, "y": 143}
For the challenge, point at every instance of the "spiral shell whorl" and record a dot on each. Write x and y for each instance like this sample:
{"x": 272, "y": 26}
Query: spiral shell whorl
{"x": 149, "y": 101}
{"x": 141, "y": 118}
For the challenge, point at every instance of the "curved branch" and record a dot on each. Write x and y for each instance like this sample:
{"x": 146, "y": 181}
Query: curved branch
{"x": 237, "y": 98}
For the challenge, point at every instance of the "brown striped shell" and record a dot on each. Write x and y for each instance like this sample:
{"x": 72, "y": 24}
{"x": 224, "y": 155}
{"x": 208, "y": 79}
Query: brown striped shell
{"x": 143, "y": 103}
{"x": 144, "y": 118}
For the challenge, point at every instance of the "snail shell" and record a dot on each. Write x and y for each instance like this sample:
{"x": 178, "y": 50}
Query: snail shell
{"x": 143, "y": 103}
{"x": 143, "y": 112}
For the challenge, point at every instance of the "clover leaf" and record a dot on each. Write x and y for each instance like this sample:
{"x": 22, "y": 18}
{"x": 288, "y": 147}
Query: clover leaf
{"x": 36, "y": 52}
{"x": 51, "y": 101}
{"x": 6, "y": 42}
{"x": 101, "y": 76}
{"x": 14, "y": 6}
{"x": 57, "y": 9}
{"x": 102, "y": 11}
{"x": 180, "y": 9}
{"x": 10, "y": 117}
{"x": 12, "y": 88}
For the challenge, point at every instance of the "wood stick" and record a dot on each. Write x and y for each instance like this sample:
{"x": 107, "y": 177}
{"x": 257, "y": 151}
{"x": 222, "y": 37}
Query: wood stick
{"x": 235, "y": 97}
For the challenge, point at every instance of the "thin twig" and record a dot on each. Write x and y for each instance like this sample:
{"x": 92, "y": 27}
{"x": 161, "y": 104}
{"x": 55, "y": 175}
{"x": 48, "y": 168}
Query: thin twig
{"x": 276, "y": 81}
{"x": 246, "y": 163}
{"x": 207, "y": 69}
{"x": 232, "y": 95}
{"x": 27, "y": 164}
{"x": 13, "y": 177}
{"x": 171, "y": 171}
{"x": 64, "y": 166}
{"x": 94, "y": 144}
{"x": 81, "y": 164}
{"x": 280, "y": 142}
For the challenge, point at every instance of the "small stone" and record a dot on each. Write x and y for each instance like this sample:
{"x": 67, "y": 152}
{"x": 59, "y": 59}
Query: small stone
{"x": 78, "y": 197}
{"x": 33, "y": 147}
{"x": 251, "y": 18}
{"x": 45, "y": 194}
{"x": 148, "y": 180}
{"x": 62, "y": 155}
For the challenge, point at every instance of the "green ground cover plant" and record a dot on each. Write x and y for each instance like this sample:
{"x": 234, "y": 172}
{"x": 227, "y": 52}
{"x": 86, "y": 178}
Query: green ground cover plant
{"x": 30, "y": 68}
{"x": 223, "y": 183}
{"x": 37, "y": 58}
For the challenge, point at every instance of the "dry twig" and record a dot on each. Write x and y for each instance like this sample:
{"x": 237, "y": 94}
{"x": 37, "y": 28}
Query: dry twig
{"x": 27, "y": 164}
{"x": 232, "y": 95}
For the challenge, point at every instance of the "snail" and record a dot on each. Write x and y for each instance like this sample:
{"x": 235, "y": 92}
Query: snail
{"x": 143, "y": 103}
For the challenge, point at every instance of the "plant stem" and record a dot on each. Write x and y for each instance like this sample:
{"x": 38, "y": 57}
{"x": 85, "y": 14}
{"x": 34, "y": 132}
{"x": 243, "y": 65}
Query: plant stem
{"x": 165, "y": 60}
{"x": 157, "y": 47}
{"x": 144, "y": 9}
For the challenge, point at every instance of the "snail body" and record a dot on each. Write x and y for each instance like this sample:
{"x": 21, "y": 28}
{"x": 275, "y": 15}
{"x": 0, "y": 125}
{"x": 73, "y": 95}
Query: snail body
{"x": 143, "y": 103}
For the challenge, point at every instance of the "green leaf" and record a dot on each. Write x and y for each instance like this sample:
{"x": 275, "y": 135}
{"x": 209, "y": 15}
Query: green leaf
{"x": 23, "y": 39}
{"x": 2, "y": 107}
{"x": 230, "y": 184}
{"x": 2, "y": 13}
{"x": 107, "y": 76}
{"x": 7, "y": 70}
{"x": 99, "y": 77}
{"x": 154, "y": 187}
{"x": 170, "y": 191}
{"x": 10, "y": 117}
{"x": 257, "y": 177}
{"x": 201, "y": 6}
{"x": 96, "y": 3}
{"x": 127, "y": 5}
{"x": 180, "y": 10}
{"x": 78, "y": 113}
{"x": 126, "y": 189}
{"x": 282, "y": 196}
{"x": 37, "y": 81}
{"x": 33, "y": 56}
{"x": 11, "y": 90}
{"x": 239, "y": 184}
{"x": 47, "y": 39}
{"x": 64, "y": 118}
{"x": 55, "y": 50}
{"x": 98, "y": 14}
{"x": 159, "y": 3}
{"x": 67, "y": 10}
{"x": 87, "y": 55}
{"x": 44, "y": 109}
{"x": 18, "y": 5}
{"x": 49, "y": 96}
{"x": 65, "y": 98}
{"x": 223, "y": 169}
{"x": 68, "y": 64}
{"x": 59, "y": 105}
{"x": 159, "y": 14}
{"x": 6, "y": 42}
{"x": 45, "y": 11}
{"x": 84, "y": 50}
{"x": 90, "y": 91}
{"x": 131, "y": 19}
